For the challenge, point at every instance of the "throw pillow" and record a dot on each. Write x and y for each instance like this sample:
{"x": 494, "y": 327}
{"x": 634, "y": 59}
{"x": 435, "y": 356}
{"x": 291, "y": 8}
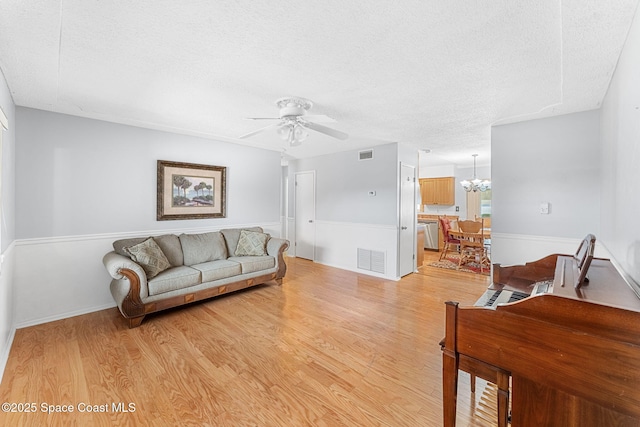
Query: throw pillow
{"x": 150, "y": 257}
{"x": 232, "y": 235}
{"x": 252, "y": 243}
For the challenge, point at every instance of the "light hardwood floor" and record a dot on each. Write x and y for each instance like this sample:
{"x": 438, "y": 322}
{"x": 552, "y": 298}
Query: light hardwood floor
{"x": 327, "y": 348}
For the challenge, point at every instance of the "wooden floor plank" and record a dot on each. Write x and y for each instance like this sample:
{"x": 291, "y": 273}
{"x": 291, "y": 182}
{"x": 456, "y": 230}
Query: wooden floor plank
{"x": 329, "y": 347}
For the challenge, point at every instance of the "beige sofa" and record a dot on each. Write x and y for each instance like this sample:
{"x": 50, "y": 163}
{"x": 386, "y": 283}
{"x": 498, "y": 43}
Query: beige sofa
{"x": 155, "y": 273}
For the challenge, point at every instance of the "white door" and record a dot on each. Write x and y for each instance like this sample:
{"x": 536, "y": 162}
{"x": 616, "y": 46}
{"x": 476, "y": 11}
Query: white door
{"x": 305, "y": 194}
{"x": 407, "y": 238}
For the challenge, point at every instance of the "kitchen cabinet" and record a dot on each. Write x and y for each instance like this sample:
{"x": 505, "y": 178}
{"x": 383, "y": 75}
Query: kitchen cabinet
{"x": 438, "y": 191}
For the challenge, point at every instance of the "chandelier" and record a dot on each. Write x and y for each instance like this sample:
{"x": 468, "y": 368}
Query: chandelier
{"x": 475, "y": 184}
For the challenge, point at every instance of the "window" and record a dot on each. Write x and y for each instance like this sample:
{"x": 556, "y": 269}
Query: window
{"x": 485, "y": 204}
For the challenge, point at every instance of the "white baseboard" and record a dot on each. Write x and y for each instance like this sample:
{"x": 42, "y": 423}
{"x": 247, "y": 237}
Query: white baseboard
{"x": 4, "y": 357}
{"x": 65, "y": 315}
{"x": 360, "y": 271}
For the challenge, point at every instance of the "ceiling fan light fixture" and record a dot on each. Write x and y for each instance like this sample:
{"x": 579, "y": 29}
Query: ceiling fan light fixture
{"x": 284, "y": 132}
{"x": 299, "y": 134}
{"x": 293, "y": 126}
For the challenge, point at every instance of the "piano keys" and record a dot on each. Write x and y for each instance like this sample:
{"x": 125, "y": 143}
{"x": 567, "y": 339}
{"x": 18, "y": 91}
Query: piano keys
{"x": 570, "y": 350}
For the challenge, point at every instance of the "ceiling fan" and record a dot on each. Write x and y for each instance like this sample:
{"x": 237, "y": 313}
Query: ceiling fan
{"x": 294, "y": 121}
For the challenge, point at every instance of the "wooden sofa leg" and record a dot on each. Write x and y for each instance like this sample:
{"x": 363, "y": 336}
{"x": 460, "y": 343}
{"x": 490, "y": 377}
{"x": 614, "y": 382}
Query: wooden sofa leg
{"x": 279, "y": 281}
{"x": 134, "y": 322}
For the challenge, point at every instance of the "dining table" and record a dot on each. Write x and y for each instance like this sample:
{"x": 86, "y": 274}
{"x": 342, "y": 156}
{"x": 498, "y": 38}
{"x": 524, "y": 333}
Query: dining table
{"x": 484, "y": 233}
{"x": 457, "y": 233}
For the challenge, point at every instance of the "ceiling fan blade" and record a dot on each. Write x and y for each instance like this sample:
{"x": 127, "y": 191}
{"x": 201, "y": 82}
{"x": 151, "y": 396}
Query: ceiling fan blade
{"x": 319, "y": 118}
{"x": 247, "y": 135}
{"x": 323, "y": 129}
{"x": 262, "y": 118}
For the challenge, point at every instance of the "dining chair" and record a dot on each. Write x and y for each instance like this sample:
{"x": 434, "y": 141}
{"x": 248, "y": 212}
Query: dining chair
{"x": 469, "y": 226}
{"x": 486, "y": 223}
{"x": 472, "y": 247}
{"x": 449, "y": 241}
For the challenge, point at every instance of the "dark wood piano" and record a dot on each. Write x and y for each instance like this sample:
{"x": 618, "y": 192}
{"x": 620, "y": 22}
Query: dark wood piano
{"x": 567, "y": 355}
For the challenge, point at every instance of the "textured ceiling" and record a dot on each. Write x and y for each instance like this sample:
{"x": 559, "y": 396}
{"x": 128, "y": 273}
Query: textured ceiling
{"x": 428, "y": 73}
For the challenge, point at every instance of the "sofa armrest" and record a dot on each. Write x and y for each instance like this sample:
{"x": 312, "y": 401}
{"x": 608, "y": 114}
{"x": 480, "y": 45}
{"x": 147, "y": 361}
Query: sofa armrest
{"x": 276, "y": 248}
{"x": 115, "y": 263}
{"x": 129, "y": 285}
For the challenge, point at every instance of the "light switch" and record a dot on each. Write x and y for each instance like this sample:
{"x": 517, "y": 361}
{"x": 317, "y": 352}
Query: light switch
{"x": 544, "y": 208}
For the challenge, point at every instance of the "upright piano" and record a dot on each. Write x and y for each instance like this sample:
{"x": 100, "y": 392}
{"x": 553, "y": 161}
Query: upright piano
{"x": 566, "y": 351}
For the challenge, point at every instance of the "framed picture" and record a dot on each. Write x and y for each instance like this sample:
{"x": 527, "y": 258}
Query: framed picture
{"x": 191, "y": 191}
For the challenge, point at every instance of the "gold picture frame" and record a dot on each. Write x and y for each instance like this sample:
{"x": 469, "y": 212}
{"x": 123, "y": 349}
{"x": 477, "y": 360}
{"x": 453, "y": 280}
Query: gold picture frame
{"x": 191, "y": 191}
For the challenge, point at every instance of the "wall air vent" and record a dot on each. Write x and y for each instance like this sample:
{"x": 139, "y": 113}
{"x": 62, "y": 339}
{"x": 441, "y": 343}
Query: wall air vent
{"x": 377, "y": 262}
{"x": 365, "y": 155}
{"x": 364, "y": 259}
{"x": 371, "y": 260}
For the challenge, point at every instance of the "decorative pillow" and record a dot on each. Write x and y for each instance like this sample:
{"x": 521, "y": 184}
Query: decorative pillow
{"x": 252, "y": 243}
{"x": 232, "y": 235}
{"x": 149, "y": 255}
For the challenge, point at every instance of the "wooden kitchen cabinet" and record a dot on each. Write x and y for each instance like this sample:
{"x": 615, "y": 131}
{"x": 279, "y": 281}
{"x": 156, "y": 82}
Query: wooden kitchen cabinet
{"x": 438, "y": 191}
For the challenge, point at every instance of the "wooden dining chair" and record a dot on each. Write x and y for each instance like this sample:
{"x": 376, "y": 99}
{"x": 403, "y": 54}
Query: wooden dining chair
{"x": 469, "y": 226}
{"x": 472, "y": 248}
{"x": 449, "y": 241}
{"x": 486, "y": 223}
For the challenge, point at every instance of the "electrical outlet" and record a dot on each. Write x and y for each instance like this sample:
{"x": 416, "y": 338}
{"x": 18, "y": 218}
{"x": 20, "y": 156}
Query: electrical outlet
{"x": 457, "y": 208}
{"x": 544, "y": 208}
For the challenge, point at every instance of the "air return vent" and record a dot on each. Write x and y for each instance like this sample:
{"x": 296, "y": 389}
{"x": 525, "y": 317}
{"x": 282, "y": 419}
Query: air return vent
{"x": 365, "y": 155}
{"x": 371, "y": 260}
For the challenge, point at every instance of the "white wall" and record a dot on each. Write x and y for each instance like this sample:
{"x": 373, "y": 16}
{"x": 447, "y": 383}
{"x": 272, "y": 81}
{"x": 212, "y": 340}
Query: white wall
{"x": 83, "y": 183}
{"x": 347, "y": 217}
{"x": 79, "y": 176}
{"x": 554, "y": 160}
{"x": 437, "y": 171}
{"x": 343, "y": 183}
{"x": 620, "y": 158}
{"x": 7, "y": 225}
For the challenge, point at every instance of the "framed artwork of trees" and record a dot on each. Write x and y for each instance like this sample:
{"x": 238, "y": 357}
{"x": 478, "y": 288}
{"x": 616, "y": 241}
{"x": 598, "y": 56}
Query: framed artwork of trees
{"x": 190, "y": 191}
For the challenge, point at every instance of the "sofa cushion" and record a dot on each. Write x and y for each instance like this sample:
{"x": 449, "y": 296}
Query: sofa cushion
{"x": 169, "y": 243}
{"x": 251, "y": 264}
{"x": 171, "y": 247}
{"x": 232, "y": 235}
{"x": 150, "y": 257}
{"x": 173, "y": 279}
{"x": 252, "y": 243}
{"x": 199, "y": 248}
{"x": 220, "y": 269}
